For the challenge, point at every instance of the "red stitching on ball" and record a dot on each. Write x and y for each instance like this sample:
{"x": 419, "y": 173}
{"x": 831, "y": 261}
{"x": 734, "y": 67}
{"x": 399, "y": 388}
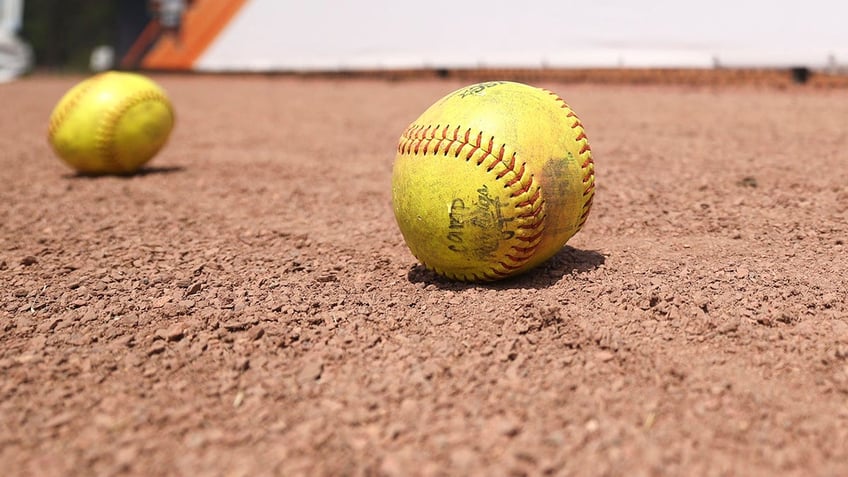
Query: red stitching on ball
{"x": 63, "y": 113}
{"x": 518, "y": 176}
{"x": 511, "y": 267}
{"x": 531, "y": 213}
{"x": 106, "y": 132}
{"x": 438, "y": 145}
{"x": 531, "y": 200}
{"x": 523, "y": 189}
{"x": 471, "y": 152}
{"x": 415, "y": 135}
{"x": 509, "y": 167}
{"x": 488, "y": 150}
{"x": 532, "y": 238}
{"x": 588, "y": 165}
{"x": 525, "y": 249}
{"x": 588, "y": 204}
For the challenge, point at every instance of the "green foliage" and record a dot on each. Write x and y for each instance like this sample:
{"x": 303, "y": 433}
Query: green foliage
{"x": 64, "y": 32}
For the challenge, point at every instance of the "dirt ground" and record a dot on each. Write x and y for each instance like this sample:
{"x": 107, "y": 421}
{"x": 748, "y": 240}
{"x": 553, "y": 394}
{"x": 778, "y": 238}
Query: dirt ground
{"x": 247, "y": 306}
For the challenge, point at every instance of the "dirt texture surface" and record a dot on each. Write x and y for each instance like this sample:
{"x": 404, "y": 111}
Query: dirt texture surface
{"x": 247, "y": 306}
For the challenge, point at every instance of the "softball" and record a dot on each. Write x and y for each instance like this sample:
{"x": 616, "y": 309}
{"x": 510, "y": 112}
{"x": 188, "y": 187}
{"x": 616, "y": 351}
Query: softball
{"x": 492, "y": 180}
{"x": 111, "y": 123}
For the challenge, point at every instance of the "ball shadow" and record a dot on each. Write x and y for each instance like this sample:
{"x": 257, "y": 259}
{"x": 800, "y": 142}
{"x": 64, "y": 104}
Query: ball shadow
{"x": 144, "y": 171}
{"x": 567, "y": 261}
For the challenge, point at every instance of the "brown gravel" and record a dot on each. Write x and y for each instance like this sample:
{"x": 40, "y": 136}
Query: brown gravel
{"x": 246, "y": 305}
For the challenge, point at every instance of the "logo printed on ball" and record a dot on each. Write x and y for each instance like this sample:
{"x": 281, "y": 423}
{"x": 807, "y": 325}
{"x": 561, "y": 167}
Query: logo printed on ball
{"x": 479, "y": 89}
{"x": 486, "y": 217}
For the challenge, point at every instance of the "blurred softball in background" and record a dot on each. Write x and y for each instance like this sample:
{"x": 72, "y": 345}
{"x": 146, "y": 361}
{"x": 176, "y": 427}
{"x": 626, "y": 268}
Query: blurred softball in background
{"x": 111, "y": 123}
{"x": 492, "y": 180}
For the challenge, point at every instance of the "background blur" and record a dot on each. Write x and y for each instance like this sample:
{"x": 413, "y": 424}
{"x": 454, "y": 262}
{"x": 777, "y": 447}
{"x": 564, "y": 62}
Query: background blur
{"x": 63, "y": 34}
{"x": 320, "y": 35}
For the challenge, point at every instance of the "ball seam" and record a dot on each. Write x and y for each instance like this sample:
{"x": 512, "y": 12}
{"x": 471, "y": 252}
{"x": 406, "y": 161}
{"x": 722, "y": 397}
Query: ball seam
{"x": 424, "y": 139}
{"x": 60, "y": 115}
{"x": 104, "y": 138}
{"x": 585, "y": 153}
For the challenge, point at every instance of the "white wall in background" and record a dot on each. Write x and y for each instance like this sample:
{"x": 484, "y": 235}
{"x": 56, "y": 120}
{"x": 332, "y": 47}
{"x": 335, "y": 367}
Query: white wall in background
{"x": 325, "y": 34}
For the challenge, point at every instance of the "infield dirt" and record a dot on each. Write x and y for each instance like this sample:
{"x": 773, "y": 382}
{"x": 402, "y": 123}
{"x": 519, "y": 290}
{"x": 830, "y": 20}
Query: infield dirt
{"x": 247, "y": 306}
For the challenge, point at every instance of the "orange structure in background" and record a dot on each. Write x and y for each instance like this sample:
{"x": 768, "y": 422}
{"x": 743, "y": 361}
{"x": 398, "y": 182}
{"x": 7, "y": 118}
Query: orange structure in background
{"x": 201, "y": 24}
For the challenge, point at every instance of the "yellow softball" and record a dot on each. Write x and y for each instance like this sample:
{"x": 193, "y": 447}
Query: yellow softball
{"x": 492, "y": 180}
{"x": 111, "y": 123}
